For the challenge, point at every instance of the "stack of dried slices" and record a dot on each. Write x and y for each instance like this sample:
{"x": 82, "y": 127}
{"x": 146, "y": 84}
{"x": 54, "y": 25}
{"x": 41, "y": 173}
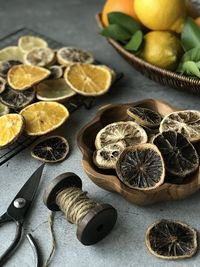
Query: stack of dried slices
{"x": 148, "y": 150}
{"x": 34, "y": 79}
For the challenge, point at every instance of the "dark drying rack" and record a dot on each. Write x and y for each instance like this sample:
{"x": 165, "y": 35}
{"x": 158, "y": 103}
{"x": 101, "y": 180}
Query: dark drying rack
{"x": 75, "y": 103}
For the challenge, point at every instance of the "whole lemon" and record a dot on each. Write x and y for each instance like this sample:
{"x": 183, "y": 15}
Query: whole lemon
{"x": 162, "y": 48}
{"x": 161, "y": 14}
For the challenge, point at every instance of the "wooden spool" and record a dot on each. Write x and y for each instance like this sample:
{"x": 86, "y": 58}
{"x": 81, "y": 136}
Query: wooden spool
{"x": 98, "y": 222}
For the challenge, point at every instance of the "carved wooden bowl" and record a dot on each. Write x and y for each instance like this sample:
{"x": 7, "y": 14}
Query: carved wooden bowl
{"x": 107, "y": 179}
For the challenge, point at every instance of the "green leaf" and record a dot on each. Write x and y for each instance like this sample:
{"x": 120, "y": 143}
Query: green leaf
{"x": 135, "y": 42}
{"x": 116, "y": 32}
{"x": 190, "y": 37}
{"x": 190, "y": 68}
{"x": 191, "y": 55}
{"x": 124, "y": 20}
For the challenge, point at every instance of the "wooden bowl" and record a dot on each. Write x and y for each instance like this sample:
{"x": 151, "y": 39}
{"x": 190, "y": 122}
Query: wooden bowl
{"x": 107, "y": 179}
{"x": 165, "y": 77}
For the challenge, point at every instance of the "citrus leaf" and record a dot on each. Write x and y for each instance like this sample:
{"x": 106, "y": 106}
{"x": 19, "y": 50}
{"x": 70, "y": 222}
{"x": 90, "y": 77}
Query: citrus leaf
{"x": 191, "y": 55}
{"x": 116, "y": 32}
{"x": 124, "y": 20}
{"x": 135, "y": 42}
{"x": 190, "y": 37}
{"x": 190, "y": 68}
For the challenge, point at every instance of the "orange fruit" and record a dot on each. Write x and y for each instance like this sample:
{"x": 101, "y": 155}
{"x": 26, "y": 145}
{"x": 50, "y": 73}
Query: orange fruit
{"x": 198, "y": 21}
{"x": 125, "y": 6}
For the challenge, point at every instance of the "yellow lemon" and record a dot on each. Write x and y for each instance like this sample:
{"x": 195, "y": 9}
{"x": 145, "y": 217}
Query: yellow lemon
{"x": 162, "y": 48}
{"x": 161, "y": 14}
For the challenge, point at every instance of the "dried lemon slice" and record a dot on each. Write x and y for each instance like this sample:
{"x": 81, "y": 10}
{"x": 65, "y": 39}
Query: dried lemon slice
{"x": 141, "y": 167}
{"x": 180, "y": 157}
{"x": 3, "y": 109}
{"x": 128, "y": 131}
{"x": 11, "y": 53}
{"x": 88, "y": 80}
{"x": 27, "y": 43}
{"x": 54, "y": 90}
{"x": 70, "y": 55}
{"x": 2, "y": 84}
{"x": 51, "y": 149}
{"x": 44, "y": 117}
{"x": 39, "y": 57}
{"x": 6, "y": 65}
{"x": 107, "y": 156}
{"x": 56, "y": 72}
{"x": 21, "y": 77}
{"x": 11, "y": 126}
{"x": 186, "y": 122}
{"x": 171, "y": 240}
{"x": 145, "y": 117}
{"x": 17, "y": 99}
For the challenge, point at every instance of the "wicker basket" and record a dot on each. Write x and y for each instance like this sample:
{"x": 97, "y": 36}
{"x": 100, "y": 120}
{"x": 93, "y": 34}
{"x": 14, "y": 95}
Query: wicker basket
{"x": 157, "y": 74}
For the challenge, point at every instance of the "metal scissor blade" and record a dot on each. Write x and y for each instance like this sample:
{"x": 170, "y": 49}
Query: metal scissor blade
{"x": 27, "y": 192}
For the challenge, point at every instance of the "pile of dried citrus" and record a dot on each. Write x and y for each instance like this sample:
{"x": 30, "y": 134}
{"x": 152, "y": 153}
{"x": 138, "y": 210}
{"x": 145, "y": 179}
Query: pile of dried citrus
{"x": 35, "y": 78}
{"x": 148, "y": 150}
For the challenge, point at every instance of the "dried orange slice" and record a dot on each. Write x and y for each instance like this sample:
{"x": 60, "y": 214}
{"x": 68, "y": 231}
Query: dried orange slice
{"x": 11, "y": 126}
{"x": 54, "y": 90}
{"x": 39, "y": 57}
{"x": 88, "y": 79}
{"x": 11, "y": 53}
{"x": 186, "y": 122}
{"x": 70, "y": 55}
{"x": 141, "y": 167}
{"x": 127, "y": 132}
{"x": 27, "y": 43}
{"x": 44, "y": 117}
{"x": 171, "y": 240}
{"x": 21, "y": 77}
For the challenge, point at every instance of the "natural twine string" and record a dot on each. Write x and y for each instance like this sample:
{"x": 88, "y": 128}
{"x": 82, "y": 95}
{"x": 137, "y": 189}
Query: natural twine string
{"x": 74, "y": 203}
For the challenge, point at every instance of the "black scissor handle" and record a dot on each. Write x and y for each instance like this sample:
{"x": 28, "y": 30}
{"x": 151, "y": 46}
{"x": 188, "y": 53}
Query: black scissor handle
{"x": 6, "y": 255}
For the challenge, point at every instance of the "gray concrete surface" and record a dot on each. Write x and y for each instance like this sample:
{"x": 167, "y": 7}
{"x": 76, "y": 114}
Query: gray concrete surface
{"x": 72, "y": 23}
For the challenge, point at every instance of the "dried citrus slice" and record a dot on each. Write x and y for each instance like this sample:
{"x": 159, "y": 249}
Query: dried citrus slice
{"x": 56, "y": 72}
{"x": 51, "y": 149}
{"x": 179, "y": 155}
{"x": 145, "y": 117}
{"x": 70, "y": 55}
{"x": 11, "y": 53}
{"x": 21, "y": 77}
{"x": 127, "y": 131}
{"x": 44, "y": 117}
{"x": 171, "y": 240}
{"x": 107, "y": 156}
{"x": 186, "y": 122}
{"x": 54, "y": 90}
{"x": 3, "y": 109}
{"x": 17, "y": 99}
{"x": 2, "y": 84}
{"x": 87, "y": 79}
{"x": 27, "y": 43}
{"x": 6, "y": 65}
{"x": 141, "y": 167}
{"x": 11, "y": 126}
{"x": 39, "y": 57}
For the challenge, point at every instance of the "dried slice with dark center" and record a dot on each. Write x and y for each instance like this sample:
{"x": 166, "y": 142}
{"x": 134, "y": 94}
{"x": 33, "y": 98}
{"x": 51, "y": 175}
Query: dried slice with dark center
{"x": 17, "y": 99}
{"x": 106, "y": 157}
{"x": 127, "y": 131}
{"x": 179, "y": 154}
{"x": 56, "y": 72}
{"x": 70, "y": 55}
{"x": 6, "y": 65}
{"x": 42, "y": 57}
{"x": 141, "y": 167}
{"x": 2, "y": 84}
{"x": 171, "y": 240}
{"x": 145, "y": 117}
{"x": 51, "y": 149}
{"x": 186, "y": 122}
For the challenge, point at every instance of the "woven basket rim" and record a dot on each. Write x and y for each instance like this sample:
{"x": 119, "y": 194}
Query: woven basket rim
{"x": 144, "y": 63}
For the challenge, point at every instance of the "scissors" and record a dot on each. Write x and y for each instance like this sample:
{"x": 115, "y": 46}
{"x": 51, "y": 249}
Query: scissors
{"x": 18, "y": 209}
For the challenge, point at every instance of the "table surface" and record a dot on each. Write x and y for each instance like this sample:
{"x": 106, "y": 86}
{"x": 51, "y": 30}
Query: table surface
{"x": 72, "y": 23}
